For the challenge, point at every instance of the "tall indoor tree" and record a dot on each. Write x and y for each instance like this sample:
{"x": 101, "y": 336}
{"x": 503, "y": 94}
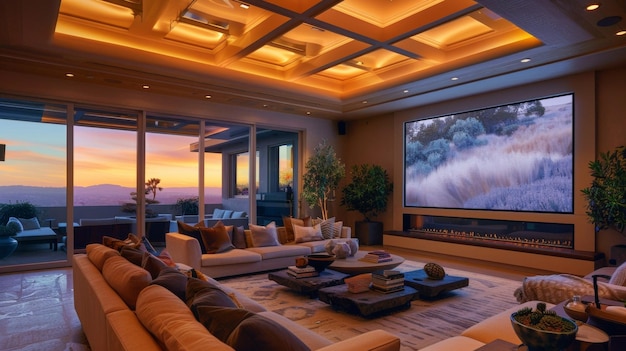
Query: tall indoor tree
{"x": 323, "y": 172}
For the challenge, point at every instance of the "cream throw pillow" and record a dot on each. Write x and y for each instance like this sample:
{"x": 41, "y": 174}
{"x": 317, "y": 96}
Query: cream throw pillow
{"x": 619, "y": 276}
{"x": 304, "y": 234}
{"x": 264, "y": 235}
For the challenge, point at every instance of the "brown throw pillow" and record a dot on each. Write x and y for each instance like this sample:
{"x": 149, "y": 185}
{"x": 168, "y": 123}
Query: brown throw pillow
{"x": 152, "y": 264}
{"x": 216, "y": 239}
{"x": 173, "y": 280}
{"x": 131, "y": 241}
{"x": 203, "y": 293}
{"x": 192, "y": 231}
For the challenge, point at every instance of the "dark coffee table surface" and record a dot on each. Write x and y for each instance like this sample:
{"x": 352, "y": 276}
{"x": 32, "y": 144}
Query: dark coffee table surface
{"x": 309, "y": 285}
{"x": 430, "y": 288}
{"x": 368, "y": 304}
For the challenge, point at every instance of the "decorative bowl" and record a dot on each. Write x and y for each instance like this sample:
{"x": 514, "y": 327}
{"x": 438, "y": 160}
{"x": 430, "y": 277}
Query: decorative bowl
{"x": 320, "y": 261}
{"x": 544, "y": 340}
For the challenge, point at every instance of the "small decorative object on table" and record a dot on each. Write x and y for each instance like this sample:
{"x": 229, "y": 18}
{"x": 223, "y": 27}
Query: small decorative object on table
{"x": 434, "y": 271}
{"x": 359, "y": 283}
{"x": 377, "y": 256}
{"x": 576, "y": 309}
{"x": 543, "y": 330}
{"x": 320, "y": 261}
{"x": 302, "y": 262}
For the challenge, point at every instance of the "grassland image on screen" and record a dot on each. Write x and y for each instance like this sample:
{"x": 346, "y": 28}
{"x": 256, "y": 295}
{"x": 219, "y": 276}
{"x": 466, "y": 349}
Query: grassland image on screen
{"x": 516, "y": 157}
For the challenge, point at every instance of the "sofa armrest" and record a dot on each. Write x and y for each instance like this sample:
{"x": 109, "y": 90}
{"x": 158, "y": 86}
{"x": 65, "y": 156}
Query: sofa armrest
{"x": 346, "y": 232}
{"x": 184, "y": 249}
{"x": 375, "y": 340}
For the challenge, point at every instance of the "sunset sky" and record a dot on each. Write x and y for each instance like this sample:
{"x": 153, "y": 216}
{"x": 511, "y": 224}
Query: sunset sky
{"x": 35, "y": 155}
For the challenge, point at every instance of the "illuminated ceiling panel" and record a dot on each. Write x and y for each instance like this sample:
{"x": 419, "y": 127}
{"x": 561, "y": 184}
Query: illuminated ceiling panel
{"x": 293, "y": 50}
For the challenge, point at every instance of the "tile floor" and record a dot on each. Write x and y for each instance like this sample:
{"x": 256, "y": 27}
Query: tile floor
{"x": 37, "y": 311}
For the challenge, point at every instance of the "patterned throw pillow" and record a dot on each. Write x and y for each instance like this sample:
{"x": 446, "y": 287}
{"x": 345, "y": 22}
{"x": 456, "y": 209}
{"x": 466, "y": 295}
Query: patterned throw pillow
{"x": 619, "y": 276}
{"x": 264, "y": 235}
{"x": 29, "y": 223}
{"x": 327, "y": 227}
{"x": 304, "y": 234}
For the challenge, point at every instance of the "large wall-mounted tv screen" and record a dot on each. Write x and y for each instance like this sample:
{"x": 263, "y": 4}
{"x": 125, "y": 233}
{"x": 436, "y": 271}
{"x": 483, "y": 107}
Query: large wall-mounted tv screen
{"x": 516, "y": 157}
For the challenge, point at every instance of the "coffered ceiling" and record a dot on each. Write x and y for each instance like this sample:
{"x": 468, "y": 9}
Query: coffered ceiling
{"x": 327, "y": 58}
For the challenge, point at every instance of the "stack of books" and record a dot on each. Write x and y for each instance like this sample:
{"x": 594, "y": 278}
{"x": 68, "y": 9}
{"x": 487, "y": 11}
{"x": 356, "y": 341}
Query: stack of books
{"x": 377, "y": 256}
{"x": 304, "y": 272}
{"x": 387, "y": 281}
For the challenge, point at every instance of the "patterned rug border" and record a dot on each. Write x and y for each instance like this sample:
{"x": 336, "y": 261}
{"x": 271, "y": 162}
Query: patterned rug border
{"x": 426, "y": 322}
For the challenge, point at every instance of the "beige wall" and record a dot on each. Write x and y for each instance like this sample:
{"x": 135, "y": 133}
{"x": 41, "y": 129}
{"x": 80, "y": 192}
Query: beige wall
{"x": 599, "y": 120}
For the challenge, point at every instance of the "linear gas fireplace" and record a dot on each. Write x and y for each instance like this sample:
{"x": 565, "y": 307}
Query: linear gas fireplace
{"x": 489, "y": 232}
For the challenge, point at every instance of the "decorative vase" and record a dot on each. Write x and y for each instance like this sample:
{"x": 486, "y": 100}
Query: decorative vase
{"x": 7, "y": 246}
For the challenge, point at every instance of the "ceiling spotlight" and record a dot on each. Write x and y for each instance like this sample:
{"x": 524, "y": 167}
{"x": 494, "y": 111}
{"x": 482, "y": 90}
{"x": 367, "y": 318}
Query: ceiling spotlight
{"x": 405, "y": 91}
{"x": 621, "y": 32}
{"x": 146, "y": 86}
{"x": 592, "y": 7}
{"x": 70, "y": 75}
{"x": 454, "y": 78}
{"x": 364, "y": 101}
{"x": 207, "y": 96}
{"x": 244, "y": 5}
{"x": 524, "y": 60}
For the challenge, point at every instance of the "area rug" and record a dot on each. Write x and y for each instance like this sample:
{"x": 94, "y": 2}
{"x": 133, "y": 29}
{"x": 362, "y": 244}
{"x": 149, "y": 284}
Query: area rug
{"x": 424, "y": 323}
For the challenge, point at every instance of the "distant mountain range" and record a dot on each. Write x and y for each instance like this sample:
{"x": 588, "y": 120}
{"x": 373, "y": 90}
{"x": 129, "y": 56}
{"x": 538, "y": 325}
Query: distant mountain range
{"x": 97, "y": 195}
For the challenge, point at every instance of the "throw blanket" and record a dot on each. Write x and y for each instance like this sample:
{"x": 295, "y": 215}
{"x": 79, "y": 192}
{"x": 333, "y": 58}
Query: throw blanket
{"x": 557, "y": 288}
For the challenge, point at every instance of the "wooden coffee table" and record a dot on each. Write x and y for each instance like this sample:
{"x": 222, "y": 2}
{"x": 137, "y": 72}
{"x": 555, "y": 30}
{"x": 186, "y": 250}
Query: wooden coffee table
{"x": 368, "y": 304}
{"x": 309, "y": 285}
{"x": 355, "y": 265}
{"x": 430, "y": 288}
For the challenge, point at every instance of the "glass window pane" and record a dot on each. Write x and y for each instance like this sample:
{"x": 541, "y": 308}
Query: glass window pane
{"x": 33, "y": 172}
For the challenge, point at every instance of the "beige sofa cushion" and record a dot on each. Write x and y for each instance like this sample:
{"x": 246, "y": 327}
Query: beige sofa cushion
{"x": 98, "y": 254}
{"x": 456, "y": 343}
{"x": 126, "y": 278}
{"x": 170, "y": 320}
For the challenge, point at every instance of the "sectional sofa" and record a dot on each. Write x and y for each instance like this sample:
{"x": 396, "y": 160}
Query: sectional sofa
{"x": 126, "y": 306}
{"x": 187, "y": 249}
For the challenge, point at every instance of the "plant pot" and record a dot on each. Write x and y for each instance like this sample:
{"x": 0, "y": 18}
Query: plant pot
{"x": 7, "y": 246}
{"x": 369, "y": 233}
{"x": 542, "y": 340}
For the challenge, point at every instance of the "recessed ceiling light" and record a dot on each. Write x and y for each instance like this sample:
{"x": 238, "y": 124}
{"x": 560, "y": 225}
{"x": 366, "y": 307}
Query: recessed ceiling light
{"x": 244, "y": 6}
{"x": 524, "y": 60}
{"x": 621, "y": 32}
{"x": 308, "y": 112}
{"x": 454, "y": 78}
{"x": 69, "y": 75}
{"x": 207, "y": 96}
{"x": 364, "y": 101}
{"x": 405, "y": 91}
{"x": 146, "y": 86}
{"x": 592, "y": 7}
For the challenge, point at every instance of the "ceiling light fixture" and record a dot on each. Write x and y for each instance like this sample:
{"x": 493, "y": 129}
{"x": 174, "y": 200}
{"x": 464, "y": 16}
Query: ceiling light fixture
{"x": 244, "y": 5}
{"x": 620, "y": 32}
{"x": 146, "y": 86}
{"x": 524, "y": 60}
{"x": 200, "y": 20}
{"x": 207, "y": 96}
{"x": 70, "y": 75}
{"x": 454, "y": 78}
{"x": 405, "y": 91}
{"x": 592, "y": 7}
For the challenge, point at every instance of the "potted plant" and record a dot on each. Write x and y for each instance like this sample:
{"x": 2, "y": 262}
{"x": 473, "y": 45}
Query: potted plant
{"x": 606, "y": 197}
{"x": 323, "y": 171}
{"x": 543, "y": 330}
{"x": 18, "y": 210}
{"x": 152, "y": 187}
{"x": 187, "y": 206}
{"x": 368, "y": 193}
